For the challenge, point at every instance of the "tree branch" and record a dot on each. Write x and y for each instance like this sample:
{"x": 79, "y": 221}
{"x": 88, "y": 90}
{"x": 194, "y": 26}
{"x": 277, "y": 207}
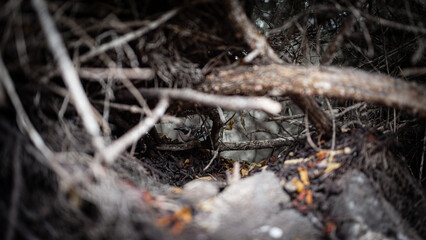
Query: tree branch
{"x": 235, "y": 103}
{"x": 260, "y": 45}
{"x": 134, "y": 134}
{"x": 69, "y": 74}
{"x": 231, "y": 146}
{"x": 342, "y": 83}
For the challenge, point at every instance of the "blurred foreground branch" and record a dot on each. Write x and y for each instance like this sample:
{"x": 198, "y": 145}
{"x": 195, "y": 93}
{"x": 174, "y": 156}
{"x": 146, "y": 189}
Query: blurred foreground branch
{"x": 235, "y": 103}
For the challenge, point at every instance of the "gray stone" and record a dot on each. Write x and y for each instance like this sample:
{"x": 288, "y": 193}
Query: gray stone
{"x": 243, "y": 206}
{"x": 287, "y": 225}
{"x": 363, "y": 213}
{"x": 198, "y": 191}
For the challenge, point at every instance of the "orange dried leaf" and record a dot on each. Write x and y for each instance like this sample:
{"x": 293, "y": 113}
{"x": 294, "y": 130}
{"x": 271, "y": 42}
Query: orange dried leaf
{"x": 230, "y": 124}
{"x": 331, "y": 166}
{"x": 184, "y": 214}
{"x": 303, "y": 174}
{"x": 299, "y": 185}
{"x": 321, "y": 155}
{"x": 177, "y": 190}
{"x": 330, "y": 228}
{"x": 177, "y": 228}
{"x": 301, "y": 196}
{"x": 164, "y": 221}
{"x": 177, "y": 220}
{"x": 244, "y": 172}
{"x": 309, "y": 198}
{"x": 146, "y": 196}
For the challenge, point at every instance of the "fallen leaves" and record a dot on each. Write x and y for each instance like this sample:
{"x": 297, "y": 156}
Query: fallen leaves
{"x": 177, "y": 220}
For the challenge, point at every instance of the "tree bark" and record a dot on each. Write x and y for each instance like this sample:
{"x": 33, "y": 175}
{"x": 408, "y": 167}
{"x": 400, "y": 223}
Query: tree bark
{"x": 342, "y": 83}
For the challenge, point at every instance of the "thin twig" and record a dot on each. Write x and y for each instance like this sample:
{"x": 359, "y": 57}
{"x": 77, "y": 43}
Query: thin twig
{"x": 260, "y": 46}
{"x": 308, "y": 135}
{"x": 256, "y": 41}
{"x": 24, "y": 122}
{"x": 16, "y": 193}
{"x": 350, "y": 108}
{"x": 235, "y": 103}
{"x": 333, "y": 139}
{"x": 216, "y": 153}
{"x": 422, "y": 161}
{"x": 69, "y": 74}
{"x": 231, "y": 146}
{"x": 134, "y": 134}
{"x": 117, "y": 73}
{"x": 129, "y": 36}
{"x": 22, "y": 117}
{"x": 396, "y": 25}
{"x": 235, "y": 176}
{"x": 285, "y": 118}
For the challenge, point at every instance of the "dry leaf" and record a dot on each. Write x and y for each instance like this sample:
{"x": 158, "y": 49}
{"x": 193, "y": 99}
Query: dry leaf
{"x": 303, "y": 174}
{"x": 309, "y": 198}
{"x": 299, "y": 185}
{"x": 331, "y": 166}
{"x": 177, "y": 220}
{"x": 230, "y": 124}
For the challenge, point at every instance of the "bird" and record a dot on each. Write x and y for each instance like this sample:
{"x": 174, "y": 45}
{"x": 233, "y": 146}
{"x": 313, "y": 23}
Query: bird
{"x": 192, "y": 133}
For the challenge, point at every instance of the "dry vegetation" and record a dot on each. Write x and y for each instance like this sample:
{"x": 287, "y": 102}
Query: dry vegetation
{"x": 83, "y": 84}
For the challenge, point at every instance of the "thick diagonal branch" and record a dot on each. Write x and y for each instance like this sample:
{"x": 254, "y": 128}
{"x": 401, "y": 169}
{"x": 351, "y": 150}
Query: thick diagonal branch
{"x": 343, "y": 83}
{"x": 69, "y": 74}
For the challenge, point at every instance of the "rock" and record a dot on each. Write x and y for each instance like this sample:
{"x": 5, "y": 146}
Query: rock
{"x": 198, "y": 191}
{"x": 243, "y": 207}
{"x": 287, "y": 225}
{"x": 363, "y": 213}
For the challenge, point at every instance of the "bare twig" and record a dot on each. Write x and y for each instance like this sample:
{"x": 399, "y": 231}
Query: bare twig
{"x": 134, "y": 134}
{"x": 308, "y": 135}
{"x": 235, "y": 103}
{"x": 285, "y": 118}
{"x": 231, "y": 146}
{"x": 129, "y": 36}
{"x": 90, "y": 42}
{"x": 333, "y": 119}
{"x": 25, "y": 123}
{"x": 256, "y": 41}
{"x": 396, "y": 25}
{"x": 406, "y": 72}
{"x": 16, "y": 194}
{"x": 260, "y": 46}
{"x": 69, "y": 74}
{"x": 179, "y": 146}
{"x": 255, "y": 144}
{"x": 22, "y": 117}
{"x": 121, "y": 73}
{"x": 235, "y": 176}
{"x": 349, "y": 109}
{"x": 216, "y": 153}
{"x": 422, "y": 161}
{"x": 335, "y": 45}
{"x": 338, "y": 115}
